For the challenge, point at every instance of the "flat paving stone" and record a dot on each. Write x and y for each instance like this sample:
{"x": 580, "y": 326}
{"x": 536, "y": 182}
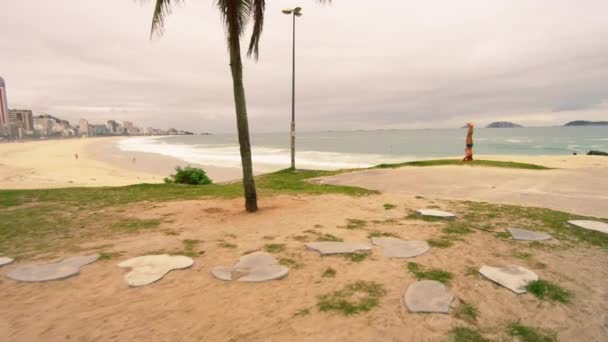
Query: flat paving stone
{"x": 397, "y": 248}
{"x": 55, "y": 271}
{"x": 528, "y": 235}
{"x": 435, "y": 213}
{"x": 254, "y": 267}
{"x": 5, "y": 261}
{"x": 591, "y": 225}
{"x": 428, "y": 296}
{"x": 334, "y": 247}
{"x": 513, "y": 277}
{"x": 148, "y": 269}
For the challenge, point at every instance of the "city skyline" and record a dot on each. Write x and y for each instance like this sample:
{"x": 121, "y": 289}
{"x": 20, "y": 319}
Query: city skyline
{"x": 412, "y": 65}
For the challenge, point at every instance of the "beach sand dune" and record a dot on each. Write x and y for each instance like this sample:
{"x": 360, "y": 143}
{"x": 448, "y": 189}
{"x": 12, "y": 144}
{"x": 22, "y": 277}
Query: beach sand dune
{"x": 580, "y": 185}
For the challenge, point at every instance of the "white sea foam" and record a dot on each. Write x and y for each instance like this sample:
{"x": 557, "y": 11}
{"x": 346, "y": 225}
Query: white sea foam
{"x": 265, "y": 159}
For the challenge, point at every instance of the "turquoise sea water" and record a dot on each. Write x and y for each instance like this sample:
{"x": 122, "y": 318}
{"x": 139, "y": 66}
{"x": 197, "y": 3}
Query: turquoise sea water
{"x": 340, "y": 149}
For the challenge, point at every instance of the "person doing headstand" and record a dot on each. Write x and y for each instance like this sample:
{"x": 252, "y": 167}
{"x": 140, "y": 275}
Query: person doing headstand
{"x": 468, "y": 151}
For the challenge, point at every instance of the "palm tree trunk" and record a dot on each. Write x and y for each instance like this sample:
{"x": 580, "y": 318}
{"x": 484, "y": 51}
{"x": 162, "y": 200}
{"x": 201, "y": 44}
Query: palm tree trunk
{"x": 236, "y": 66}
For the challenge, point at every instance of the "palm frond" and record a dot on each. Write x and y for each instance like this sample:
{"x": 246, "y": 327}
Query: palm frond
{"x": 162, "y": 9}
{"x": 235, "y": 15}
{"x": 258, "y": 7}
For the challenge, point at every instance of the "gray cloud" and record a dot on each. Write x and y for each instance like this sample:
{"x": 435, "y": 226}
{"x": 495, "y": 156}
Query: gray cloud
{"x": 360, "y": 63}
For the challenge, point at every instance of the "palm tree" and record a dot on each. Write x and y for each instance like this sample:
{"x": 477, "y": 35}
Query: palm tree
{"x": 236, "y": 14}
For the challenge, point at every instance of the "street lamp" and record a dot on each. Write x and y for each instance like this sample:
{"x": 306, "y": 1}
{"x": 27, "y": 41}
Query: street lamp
{"x": 295, "y": 12}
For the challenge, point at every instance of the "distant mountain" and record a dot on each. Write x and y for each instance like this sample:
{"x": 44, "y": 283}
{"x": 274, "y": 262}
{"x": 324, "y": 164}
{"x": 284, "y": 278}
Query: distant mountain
{"x": 587, "y": 123}
{"x": 503, "y": 124}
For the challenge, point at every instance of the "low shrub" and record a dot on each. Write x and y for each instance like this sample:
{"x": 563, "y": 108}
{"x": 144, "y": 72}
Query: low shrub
{"x": 188, "y": 175}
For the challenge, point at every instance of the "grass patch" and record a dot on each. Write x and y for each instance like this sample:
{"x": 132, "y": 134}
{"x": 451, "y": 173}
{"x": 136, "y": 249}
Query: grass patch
{"x": 530, "y": 334}
{"x": 274, "y": 247}
{"x": 545, "y": 290}
{"x": 301, "y": 238}
{"x": 357, "y": 257}
{"x": 355, "y": 224}
{"x": 523, "y": 255}
{"x": 105, "y": 256}
{"x": 457, "y": 228}
{"x": 329, "y": 237}
{"x": 382, "y": 234}
{"x": 131, "y": 224}
{"x": 464, "y": 334}
{"x": 484, "y": 163}
{"x": 420, "y": 273}
{"x": 329, "y": 273}
{"x": 466, "y": 312}
{"x": 225, "y": 244}
{"x": 471, "y": 271}
{"x": 440, "y": 243}
{"x": 291, "y": 263}
{"x": 488, "y": 217}
{"x": 354, "y": 298}
{"x": 389, "y": 206}
{"x": 302, "y": 313}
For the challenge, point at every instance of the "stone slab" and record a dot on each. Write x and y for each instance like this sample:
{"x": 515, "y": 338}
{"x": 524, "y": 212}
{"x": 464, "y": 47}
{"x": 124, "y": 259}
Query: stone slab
{"x": 148, "y": 269}
{"x": 397, "y": 248}
{"x": 513, "y": 277}
{"x": 334, "y": 247}
{"x": 591, "y": 225}
{"x": 528, "y": 235}
{"x": 5, "y": 261}
{"x": 435, "y": 213}
{"x": 254, "y": 267}
{"x": 428, "y": 296}
{"x": 55, "y": 271}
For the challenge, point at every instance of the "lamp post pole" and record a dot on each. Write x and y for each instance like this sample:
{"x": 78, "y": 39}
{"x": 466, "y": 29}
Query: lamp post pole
{"x": 296, "y": 12}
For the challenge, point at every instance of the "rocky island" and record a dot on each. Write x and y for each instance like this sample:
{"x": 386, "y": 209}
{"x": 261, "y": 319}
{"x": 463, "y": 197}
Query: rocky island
{"x": 503, "y": 124}
{"x": 586, "y": 123}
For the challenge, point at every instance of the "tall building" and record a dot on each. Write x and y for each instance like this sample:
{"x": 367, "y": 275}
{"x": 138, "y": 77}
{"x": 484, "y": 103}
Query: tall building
{"x": 114, "y": 127}
{"x": 21, "y": 118}
{"x": 3, "y": 104}
{"x": 83, "y": 127}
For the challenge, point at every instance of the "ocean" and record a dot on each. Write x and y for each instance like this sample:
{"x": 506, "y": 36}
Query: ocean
{"x": 331, "y": 150}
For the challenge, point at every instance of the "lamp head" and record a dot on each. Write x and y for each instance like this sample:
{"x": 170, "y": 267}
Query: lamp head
{"x": 287, "y": 11}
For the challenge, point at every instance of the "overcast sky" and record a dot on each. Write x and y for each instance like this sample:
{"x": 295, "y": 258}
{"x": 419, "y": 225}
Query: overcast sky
{"x": 361, "y": 64}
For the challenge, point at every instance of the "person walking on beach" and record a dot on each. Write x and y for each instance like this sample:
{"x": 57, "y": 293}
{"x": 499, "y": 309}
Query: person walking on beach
{"x": 468, "y": 151}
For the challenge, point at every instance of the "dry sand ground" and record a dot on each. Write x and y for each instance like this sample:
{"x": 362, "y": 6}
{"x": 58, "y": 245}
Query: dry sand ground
{"x": 190, "y": 305}
{"x": 580, "y": 185}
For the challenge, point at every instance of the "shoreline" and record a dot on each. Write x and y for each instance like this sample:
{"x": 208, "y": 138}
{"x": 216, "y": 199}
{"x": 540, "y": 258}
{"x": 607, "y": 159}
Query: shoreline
{"x": 52, "y": 164}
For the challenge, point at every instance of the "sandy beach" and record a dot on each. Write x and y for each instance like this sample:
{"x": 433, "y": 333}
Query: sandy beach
{"x": 53, "y": 164}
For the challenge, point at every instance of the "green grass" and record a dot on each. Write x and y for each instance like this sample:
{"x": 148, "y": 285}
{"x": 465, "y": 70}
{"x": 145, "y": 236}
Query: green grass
{"x": 545, "y": 290}
{"x": 382, "y": 234}
{"x": 457, "y": 228}
{"x": 464, "y": 334}
{"x": 466, "y": 312}
{"x": 274, "y": 247}
{"x": 291, "y": 263}
{"x": 302, "y": 313}
{"x": 485, "y": 163}
{"x": 225, "y": 244}
{"x": 420, "y": 273}
{"x": 440, "y": 243}
{"x": 354, "y": 298}
{"x": 471, "y": 271}
{"x": 329, "y": 237}
{"x": 523, "y": 255}
{"x": 493, "y": 217}
{"x": 105, "y": 256}
{"x": 355, "y": 224}
{"x": 329, "y": 273}
{"x": 357, "y": 256}
{"x": 530, "y": 334}
{"x": 131, "y": 224}
{"x": 389, "y": 206}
